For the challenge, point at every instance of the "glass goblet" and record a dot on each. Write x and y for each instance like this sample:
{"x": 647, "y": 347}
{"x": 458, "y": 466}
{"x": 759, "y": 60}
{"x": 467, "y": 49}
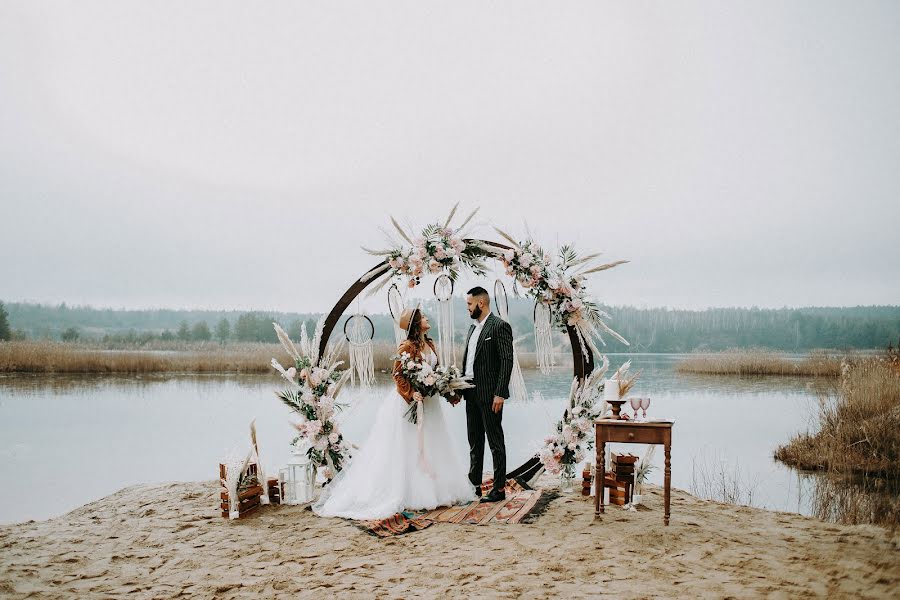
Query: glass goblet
{"x": 645, "y": 404}
{"x": 635, "y": 405}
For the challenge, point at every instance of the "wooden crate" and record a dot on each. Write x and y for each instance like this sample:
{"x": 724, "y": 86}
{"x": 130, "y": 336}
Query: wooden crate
{"x": 248, "y": 501}
{"x": 274, "y": 490}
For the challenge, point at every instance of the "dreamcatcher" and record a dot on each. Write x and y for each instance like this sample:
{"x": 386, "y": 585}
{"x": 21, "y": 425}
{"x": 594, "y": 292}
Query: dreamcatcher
{"x": 359, "y": 331}
{"x": 395, "y": 306}
{"x": 543, "y": 337}
{"x": 443, "y": 292}
{"x": 517, "y": 391}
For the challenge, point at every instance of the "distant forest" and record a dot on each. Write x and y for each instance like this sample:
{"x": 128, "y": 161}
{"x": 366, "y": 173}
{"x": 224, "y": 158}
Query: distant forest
{"x": 648, "y": 329}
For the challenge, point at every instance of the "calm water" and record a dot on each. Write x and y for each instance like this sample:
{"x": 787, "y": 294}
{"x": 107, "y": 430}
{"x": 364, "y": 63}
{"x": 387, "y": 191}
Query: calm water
{"x": 71, "y": 440}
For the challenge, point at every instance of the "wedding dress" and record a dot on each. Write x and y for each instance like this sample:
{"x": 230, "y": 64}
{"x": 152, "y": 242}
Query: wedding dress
{"x": 387, "y": 475}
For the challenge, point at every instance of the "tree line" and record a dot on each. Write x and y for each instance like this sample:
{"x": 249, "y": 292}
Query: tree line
{"x": 648, "y": 329}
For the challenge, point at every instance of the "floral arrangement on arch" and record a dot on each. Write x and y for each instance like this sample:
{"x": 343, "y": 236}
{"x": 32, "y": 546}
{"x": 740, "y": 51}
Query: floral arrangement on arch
{"x": 559, "y": 284}
{"x": 566, "y": 448}
{"x": 437, "y": 248}
{"x": 314, "y": 385}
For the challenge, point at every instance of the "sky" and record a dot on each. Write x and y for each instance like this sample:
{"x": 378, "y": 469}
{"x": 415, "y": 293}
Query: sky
{"x": 237, "y": 155}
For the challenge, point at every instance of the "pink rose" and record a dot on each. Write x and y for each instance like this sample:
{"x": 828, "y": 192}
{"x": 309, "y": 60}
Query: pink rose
{"x": 411, "y": 283}
{"x": 439, "y": 253}
{"x": 434, "y": 266}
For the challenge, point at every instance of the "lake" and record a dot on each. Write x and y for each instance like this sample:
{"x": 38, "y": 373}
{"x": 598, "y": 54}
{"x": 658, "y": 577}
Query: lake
{"x": 71, "y": 440}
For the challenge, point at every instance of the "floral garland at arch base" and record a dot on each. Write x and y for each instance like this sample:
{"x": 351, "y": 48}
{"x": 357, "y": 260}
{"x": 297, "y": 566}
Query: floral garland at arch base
{"x": 314, "y": 383}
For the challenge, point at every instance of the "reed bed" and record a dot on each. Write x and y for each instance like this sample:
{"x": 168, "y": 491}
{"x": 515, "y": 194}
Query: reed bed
{"x": 756, "y": 361}
{"x": 56, "y": 357}
{"x": 164, "y": 357}
{"x": 858, "y": 425}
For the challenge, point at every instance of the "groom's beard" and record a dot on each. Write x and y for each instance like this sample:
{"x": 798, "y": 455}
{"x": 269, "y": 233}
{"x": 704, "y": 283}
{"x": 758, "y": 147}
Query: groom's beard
{"x": 476, "y": 313}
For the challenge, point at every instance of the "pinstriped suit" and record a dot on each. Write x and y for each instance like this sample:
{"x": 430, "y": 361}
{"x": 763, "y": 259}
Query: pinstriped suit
{"x": 492, "y": 369}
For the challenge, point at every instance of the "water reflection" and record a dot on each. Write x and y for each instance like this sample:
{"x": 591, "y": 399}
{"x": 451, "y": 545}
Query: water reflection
{"x": 92, "y": 435}
{"x": 855, "y": 500}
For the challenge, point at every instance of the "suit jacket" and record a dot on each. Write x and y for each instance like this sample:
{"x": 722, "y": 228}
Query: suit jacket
{"x": 404, "y": 387}
{"x": 493, "y": 359}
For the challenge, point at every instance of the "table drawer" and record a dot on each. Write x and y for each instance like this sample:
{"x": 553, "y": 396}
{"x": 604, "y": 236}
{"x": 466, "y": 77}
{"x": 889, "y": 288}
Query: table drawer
{"x": 637, "y": 435}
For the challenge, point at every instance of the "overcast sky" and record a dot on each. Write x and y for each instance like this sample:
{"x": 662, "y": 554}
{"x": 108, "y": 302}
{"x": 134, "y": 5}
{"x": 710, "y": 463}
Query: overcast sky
{"x": 236, "y": 155}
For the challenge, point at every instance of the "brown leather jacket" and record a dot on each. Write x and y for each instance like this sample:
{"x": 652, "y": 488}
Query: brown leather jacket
{"x": 404, "y": 387}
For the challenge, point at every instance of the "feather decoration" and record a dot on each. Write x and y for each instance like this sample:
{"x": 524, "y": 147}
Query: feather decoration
{"x": 380, "y": 269}
{"x": 587, "y": 258}
{"x": 604, "y": 267}
{"x": 400, "y": 230}
{"x": 377, "y": 252}
{"x": 469, "y": 218}
{"x": 607, "y": 329}
{"x": 286, "y": 342}
{"x": 450, "y": 218}
{"x": 379, "y": 284}
{"x": 317, "y": 340}
{"x": 508, "y": 238}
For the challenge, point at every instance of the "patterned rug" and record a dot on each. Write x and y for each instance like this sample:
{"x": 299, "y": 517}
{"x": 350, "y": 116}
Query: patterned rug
{"x": 522, "y": 505}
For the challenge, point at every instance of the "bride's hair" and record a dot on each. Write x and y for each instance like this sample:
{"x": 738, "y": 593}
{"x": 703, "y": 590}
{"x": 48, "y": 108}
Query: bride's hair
{"x": 415, "y": 329}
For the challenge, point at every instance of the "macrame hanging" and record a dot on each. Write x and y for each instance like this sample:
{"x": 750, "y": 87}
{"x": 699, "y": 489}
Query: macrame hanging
{"x": 517, "y": 390}
{"x": 543, "y": 337}
{"x": 443, "y": 292}
{"x": 359, "y": 331}
{"x": 395, "y": 306}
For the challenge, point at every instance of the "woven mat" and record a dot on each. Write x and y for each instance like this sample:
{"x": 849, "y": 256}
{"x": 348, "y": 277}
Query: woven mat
{"x": 522, "y": 505}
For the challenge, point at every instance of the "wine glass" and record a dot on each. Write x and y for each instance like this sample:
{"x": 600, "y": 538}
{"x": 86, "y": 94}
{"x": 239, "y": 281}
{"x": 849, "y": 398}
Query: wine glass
{"x": 645, "y": 404}
{"x": 635, "y": 405}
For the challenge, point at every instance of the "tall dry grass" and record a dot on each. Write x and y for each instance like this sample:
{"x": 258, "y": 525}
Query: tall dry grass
{"x": 755, "y": 361}
{"x": 56, "y": 357}
{"x": 160, "y": 357}
{"x": 858, "y": 424}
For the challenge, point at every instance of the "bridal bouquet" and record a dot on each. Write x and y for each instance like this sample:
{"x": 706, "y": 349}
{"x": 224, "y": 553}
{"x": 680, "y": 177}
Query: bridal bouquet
{"x": 430, "y": 381}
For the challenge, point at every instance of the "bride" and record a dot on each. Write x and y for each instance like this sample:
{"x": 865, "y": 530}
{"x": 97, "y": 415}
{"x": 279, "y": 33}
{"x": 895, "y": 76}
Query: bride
{"x": 401, "y": 466}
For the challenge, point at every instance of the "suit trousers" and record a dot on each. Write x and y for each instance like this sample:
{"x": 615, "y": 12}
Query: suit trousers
{"x": 481, "y": 422}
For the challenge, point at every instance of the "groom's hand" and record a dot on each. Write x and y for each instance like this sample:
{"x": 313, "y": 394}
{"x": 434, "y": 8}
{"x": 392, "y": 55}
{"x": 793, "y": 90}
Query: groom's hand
{"x": 498, "y": 404}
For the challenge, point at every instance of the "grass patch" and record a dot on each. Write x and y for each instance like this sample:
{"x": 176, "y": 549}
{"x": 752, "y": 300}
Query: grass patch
{"x": 755, "y": 361}
{"x": 858, "y": 424}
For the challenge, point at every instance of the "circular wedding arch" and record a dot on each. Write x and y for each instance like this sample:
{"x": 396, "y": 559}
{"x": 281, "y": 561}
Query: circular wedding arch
{"x": 582, "y": 357}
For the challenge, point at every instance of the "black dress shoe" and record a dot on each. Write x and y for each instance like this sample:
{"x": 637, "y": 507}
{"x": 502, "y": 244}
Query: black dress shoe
{"x": 478, "y": 491}
{"x": 495, "y": 496}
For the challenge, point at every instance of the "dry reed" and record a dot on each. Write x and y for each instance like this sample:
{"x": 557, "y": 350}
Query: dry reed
{"x": 755, "y": 361}
{"x": 858, "y": 425}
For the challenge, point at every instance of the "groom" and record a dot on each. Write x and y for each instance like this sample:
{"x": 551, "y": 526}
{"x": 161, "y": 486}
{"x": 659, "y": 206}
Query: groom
{"x": 488, "y": 358}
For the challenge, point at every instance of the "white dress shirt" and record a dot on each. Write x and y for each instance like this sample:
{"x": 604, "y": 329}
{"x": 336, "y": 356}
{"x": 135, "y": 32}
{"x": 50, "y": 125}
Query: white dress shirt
{"x": 473, "y": 345}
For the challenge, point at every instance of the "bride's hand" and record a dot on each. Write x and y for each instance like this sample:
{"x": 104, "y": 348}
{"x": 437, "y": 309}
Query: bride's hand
{"x": 417, "y": 396}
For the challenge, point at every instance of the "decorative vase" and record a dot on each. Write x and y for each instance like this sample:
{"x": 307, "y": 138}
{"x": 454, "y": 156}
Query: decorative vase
{"x": 567, "y": 479}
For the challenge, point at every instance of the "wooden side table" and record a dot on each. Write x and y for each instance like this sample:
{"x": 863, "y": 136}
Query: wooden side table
{"x": 628, "y": 432}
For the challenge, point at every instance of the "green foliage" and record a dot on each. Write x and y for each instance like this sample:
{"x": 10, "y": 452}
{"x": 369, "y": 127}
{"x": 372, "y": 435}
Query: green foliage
{"x": 5, "y": 333}
{"x": 70, "y": 335}
{"x": 200, "y": 332}
{"x": 223, "y": 330}
{"x": 184, "y": 332}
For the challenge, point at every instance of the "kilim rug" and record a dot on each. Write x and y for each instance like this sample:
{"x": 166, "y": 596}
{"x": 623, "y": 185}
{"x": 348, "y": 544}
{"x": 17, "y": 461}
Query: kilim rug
{"x": 522, "y": 505}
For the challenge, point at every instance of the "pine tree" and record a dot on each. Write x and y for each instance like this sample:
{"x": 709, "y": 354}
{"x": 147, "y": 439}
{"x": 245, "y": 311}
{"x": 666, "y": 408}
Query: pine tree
{"x": 223, "y": 330}
{"x": 5, "y": 333}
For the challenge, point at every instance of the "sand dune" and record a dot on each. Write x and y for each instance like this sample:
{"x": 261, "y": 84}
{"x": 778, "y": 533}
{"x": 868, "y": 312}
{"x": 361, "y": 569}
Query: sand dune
{"x": 168, "y": 541}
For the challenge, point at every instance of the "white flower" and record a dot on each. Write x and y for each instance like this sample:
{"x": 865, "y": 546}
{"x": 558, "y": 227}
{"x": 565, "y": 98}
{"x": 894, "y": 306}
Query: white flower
{"x": 429, "y": 380}
{"x": 307, "y": 397}
{"x": 526, "y": 259}
{"x": 553, "y": 283}
{"x": 509, "y": 255}
{"x": 572, "y": 446}
{"x": 577, "y": 410}
{"x": 313, "y": 428}
{"x": 334, "y": 437}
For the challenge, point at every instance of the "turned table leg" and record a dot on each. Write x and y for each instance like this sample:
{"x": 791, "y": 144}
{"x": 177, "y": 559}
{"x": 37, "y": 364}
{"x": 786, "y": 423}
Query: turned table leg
{"x": 601, "y": 476}
{"x": 668, "y": 481}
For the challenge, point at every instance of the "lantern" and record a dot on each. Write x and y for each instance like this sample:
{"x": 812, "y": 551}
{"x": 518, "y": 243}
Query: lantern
{"x": 298, "y": 480}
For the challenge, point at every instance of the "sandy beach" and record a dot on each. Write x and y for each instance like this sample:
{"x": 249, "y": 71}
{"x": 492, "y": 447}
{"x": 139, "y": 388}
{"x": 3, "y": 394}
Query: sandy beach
{"x": 168, "y": 541}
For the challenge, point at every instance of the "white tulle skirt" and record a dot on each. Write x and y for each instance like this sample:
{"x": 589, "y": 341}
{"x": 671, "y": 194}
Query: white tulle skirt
{"x": 386, "y": 476}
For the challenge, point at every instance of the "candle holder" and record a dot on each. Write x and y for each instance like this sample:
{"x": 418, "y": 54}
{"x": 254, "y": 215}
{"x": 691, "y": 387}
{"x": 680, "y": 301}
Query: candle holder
{"x": 616, "y": 407}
